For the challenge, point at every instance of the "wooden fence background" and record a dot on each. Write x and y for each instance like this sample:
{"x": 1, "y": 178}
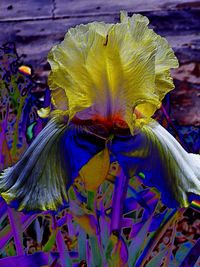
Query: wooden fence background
{"x": 36, "y": 25}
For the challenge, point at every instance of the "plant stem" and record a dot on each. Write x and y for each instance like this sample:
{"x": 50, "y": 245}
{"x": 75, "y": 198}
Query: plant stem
{"x": 64, "y": 254}
{"x": 120, "y": 190}
{"x": 14, "y": 218}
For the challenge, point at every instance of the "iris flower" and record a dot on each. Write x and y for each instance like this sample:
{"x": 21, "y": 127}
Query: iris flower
{"x": 106, "y": 81}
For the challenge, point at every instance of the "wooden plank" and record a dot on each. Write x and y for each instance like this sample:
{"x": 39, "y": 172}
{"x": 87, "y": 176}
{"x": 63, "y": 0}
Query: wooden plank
{"x": 25, "y": 9}
{"x": 11, "y": 10}
{"x": 185, "y": 103}
{"x": 102, "y": 7}
{"x": 35, "y": 38}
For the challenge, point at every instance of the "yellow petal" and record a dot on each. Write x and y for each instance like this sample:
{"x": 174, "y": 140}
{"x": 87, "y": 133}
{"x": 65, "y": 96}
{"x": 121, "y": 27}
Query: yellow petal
{"x": 44, "y": 112}
{"x": 96, "y": 170}
{"x": 25, "y": 69}
{"x": 88, "y": 222}
{"x": 109, "y": 69}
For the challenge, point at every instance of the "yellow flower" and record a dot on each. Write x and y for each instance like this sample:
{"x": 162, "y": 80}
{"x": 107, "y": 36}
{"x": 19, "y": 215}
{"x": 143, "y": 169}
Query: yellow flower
{"x": 109, "y": 70}
{"x": 105, "y": 80}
